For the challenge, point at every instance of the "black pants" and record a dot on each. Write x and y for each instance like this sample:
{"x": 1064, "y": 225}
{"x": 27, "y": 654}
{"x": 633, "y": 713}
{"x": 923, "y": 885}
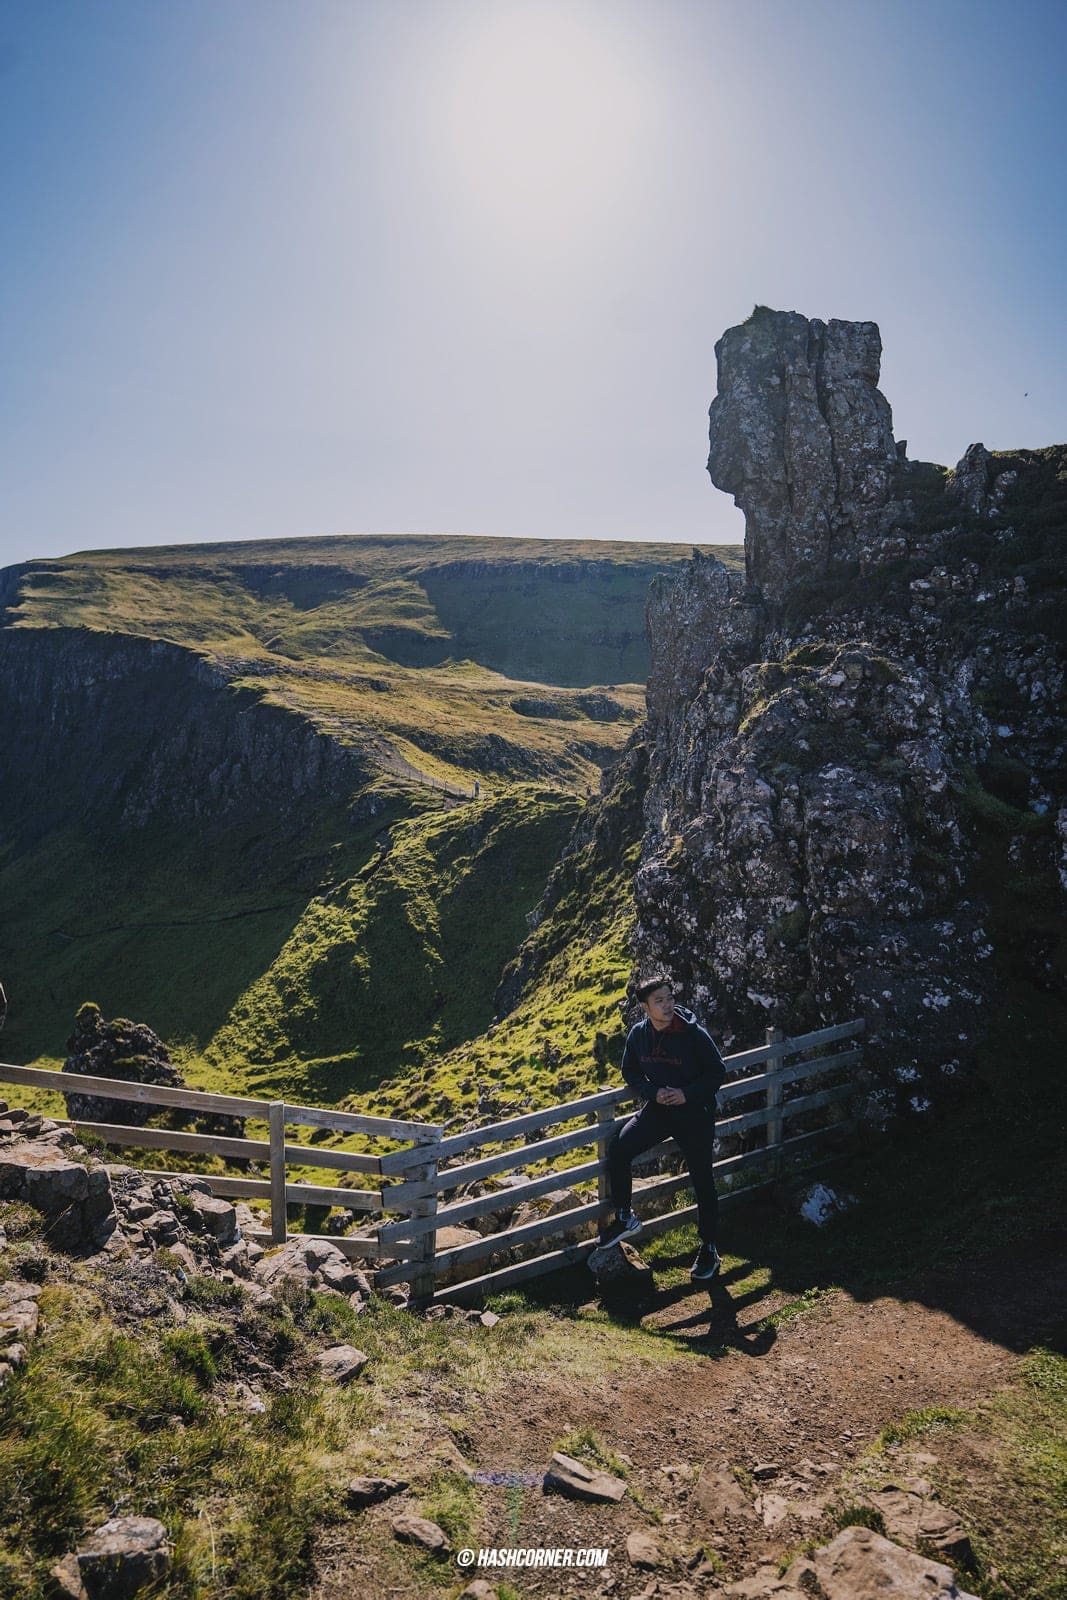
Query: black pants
{"x": 694, "y": 1131}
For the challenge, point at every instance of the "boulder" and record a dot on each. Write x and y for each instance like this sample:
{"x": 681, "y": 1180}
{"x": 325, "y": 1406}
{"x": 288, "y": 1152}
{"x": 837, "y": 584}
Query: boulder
{"x": 914, "y": 1519}
{"x": 123, "y": 1557}
{"x": 216, "y": 1216}
{"x": 72, "y": 1195}
{"x": 862, "y": 1565}
{"x": 18, "y": 1313}
{"x": 67, "y": 1579}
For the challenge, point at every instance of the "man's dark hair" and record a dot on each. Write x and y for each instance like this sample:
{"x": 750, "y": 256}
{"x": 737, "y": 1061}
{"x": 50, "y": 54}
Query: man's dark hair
{"x": 648, "y": 985}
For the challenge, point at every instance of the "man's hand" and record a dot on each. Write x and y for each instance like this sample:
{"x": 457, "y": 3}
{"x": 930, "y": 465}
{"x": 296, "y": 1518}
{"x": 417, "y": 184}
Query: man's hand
{"x": 670, "y": 1097}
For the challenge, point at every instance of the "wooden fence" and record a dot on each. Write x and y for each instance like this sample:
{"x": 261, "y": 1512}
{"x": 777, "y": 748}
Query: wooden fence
{"x": 771, "y": 1086}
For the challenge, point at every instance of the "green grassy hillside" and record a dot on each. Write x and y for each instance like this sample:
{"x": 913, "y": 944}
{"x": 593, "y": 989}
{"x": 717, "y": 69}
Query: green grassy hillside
{"x": 179, "y": 848}
{"x": 398, "y": 963}
{"x": 547, "y": 611}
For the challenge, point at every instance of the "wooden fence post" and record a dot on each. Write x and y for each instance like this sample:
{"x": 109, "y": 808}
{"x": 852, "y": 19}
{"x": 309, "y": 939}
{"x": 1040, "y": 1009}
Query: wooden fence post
{"x": 774, "y": 1100}
{"x": 606, "y": 1120}
{"x": 276, "y": 1123}
{"x": 424, "y": 1276}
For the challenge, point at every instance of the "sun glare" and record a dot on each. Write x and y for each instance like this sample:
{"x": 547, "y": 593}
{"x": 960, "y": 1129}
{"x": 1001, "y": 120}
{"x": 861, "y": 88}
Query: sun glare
{"x": 540, "y": 118}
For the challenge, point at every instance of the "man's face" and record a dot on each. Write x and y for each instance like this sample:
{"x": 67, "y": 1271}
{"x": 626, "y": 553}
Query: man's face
{"x": 659, "y": 1006}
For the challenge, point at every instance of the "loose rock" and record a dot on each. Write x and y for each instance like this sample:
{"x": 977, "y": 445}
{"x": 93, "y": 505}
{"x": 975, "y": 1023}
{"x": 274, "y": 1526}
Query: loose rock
{"x": 123, "y": 1557}
{"x": 718, "y": 1496}
{"x": 369, "y": 1491}
{"x": 621, "y": 1274}
{"x": 419, "y": 1530}
{"x": 568, "y": 1476}
{"x": 342, "y": 1363}
{"x": 642, "y": 1550}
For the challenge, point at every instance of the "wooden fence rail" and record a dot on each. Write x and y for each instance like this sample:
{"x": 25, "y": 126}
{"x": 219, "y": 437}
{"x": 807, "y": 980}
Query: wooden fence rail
{"x": 275, "y": 1150}
{"x": 411, "y": 1180}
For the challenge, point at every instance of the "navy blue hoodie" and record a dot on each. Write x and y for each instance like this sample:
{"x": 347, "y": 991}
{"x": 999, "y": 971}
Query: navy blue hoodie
{"x": 683, "y": 1056}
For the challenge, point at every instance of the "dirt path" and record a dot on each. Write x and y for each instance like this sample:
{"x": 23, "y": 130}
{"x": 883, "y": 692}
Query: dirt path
{"x": 807, "y": 1397}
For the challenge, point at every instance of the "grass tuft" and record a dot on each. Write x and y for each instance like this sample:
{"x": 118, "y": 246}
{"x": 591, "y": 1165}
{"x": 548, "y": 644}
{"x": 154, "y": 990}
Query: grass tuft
{"x": 915, "y": 1424}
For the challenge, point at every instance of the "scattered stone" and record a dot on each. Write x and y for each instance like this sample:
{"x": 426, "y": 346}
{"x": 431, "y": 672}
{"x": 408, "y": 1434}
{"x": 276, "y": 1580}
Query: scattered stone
{"x": 249, "y": 1399}
{"x": 341, "y": 1363}
{"x": 765, "y": 1469}
{"x": 773, "y": 1508}
{"x": 123, "y": 1557}
{"x": 764, "y": 1584}
{"x": 488, "y": 1319}
{"x": 642, "y": 1550}
{"x": 478, "y": 1590}
{"x": 567, "y": 1476}
{"x": 419, "y": 1530}
{"x": 369, "y": 1491}
{"x": 718, "y": 1495}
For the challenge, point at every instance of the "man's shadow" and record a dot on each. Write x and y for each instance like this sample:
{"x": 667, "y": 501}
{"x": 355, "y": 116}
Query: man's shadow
{"x": 723, "y": 1330}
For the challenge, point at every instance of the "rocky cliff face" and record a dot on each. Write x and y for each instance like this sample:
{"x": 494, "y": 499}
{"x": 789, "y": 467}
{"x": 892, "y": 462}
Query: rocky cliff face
{"x": 857, "y": 757}
{"x": 151, "y": 730}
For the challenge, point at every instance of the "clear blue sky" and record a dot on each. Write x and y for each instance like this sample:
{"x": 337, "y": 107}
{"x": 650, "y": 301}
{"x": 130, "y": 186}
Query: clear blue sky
{"x": 277, "y": 267}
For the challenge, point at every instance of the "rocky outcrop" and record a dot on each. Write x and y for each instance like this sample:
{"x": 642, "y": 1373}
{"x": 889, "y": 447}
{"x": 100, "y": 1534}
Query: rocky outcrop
{"x": 19, "y": 1317}
{"x": 978, "y": 483}
{"x": 861, "y": 1565}
{"x": 120, "y": 1049}
{"x": 837, "y": 746}
{"x": 43, "y": 1166}
{"x": 802, "y": 437}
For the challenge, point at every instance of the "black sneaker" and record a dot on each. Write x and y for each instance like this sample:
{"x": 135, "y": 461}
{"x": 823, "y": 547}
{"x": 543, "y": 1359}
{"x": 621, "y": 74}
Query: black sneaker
{"x": 706, "y": 1266}
{"x": 624, "y": 1227}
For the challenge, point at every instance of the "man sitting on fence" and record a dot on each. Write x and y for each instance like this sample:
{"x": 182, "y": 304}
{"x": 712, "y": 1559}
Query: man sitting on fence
{"x": 673, "y": 1065}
